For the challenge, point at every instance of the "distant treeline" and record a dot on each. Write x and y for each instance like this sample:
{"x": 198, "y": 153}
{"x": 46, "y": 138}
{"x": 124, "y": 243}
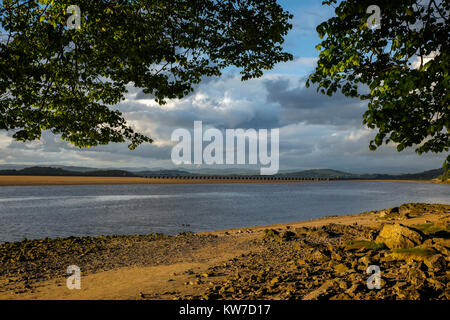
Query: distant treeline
{"x": 307, "y": 174}
{"x": 50, "y": 171}
{"x": 426, "y": 175}
{"x": 329, "y": 173}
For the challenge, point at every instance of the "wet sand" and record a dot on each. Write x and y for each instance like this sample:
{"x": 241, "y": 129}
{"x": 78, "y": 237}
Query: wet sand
{"x": 70, "y": 180}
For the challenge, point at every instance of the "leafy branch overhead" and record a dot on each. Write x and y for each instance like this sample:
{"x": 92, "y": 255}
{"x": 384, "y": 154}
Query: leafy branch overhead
{"x": 65, "y": 80}
{"x": 401, "y": 68}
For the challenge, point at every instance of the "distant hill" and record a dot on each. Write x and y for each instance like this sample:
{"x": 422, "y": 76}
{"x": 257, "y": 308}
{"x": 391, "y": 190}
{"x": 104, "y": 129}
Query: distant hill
{"x": 330, "y": 173}
{"x": 314, "y": 173}
{"x": 319, "y": 173}
{"x": 173, "y": 173}
{"x": 425, "y": 175}
{"x": 52, "y": 171}
{"x": 70, "y": 168}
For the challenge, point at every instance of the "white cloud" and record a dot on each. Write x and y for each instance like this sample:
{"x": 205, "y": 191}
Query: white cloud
{"x": 306, "y": 61}
{"x": 416, "y": 61}
{"x": 315, "y": 131}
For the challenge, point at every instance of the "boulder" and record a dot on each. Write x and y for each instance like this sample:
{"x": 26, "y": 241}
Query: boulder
{"x": 341, "y": 268}
{"x": 436, "y": 263}
{"x": 396, "y": 213}
{"x": 440, "y": 244}
{"x": 288, "y": 236}
{"x": 383, "y": 213}
{"x": 397, "y": 236}
{"x": 404, "y": 210}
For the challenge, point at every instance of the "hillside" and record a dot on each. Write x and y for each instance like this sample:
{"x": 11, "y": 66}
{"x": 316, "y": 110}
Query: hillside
{"x": 425, "y": 175}
{"x": 314, "y": 173}
{"x": 330, "y": 173}
{"x": 52, "y": 171}
{"x": 319, "y": 173}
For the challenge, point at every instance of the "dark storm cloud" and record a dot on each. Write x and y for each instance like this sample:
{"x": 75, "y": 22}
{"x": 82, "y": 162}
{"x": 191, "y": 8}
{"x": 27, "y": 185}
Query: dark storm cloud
{"x": 301, "y": 104}
{"x": 220, "y": 102}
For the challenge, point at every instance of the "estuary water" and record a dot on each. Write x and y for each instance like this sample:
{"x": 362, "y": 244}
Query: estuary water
{"x": 34, "y": 212}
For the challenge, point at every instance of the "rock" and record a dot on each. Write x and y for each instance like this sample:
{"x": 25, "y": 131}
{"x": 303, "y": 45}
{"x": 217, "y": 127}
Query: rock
{"x": 396, "y": 213}
{"x": 340, "y": 268}
{"x": 436, "y": 285}
{"x": 397, "y": 236}
{"x": 318, "y": 256}
{"x": 274, "y": 280}
{"x": 341, "y": 296}
{"x": 447, "y": 294}
{"x": 342, "y": 285}
{"x": 394, "y": 210}
{"x": 416, "y": 277}
{"x": 404, "y": 291}
{"x": 435, "y": 262}
{"x": 288, "y": 236}
{"x": 414, "y": 295}
{"x": 365, "y": 260}
{"x": 302, "y": 231}
{"x": 271, "y": 235}
{"x": 404, "y": 211}
{"x": 440, "y": 244}
{"x": 400, "y": 289}
{"x": 354, "y": 289}
{"x": 382, "y": 213}
{"x": 336, "y": 256}
{"x": 321, "y": 292}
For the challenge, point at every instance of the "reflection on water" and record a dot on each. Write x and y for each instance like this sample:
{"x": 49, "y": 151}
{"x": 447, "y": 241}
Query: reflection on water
{"x": 61, "y": 211}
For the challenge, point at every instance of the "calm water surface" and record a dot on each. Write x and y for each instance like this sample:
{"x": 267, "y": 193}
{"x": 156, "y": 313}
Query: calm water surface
{"x": 61, "y": 211}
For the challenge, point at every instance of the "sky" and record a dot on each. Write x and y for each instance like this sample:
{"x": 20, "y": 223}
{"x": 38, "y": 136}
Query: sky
{"x": 316, "y": 131}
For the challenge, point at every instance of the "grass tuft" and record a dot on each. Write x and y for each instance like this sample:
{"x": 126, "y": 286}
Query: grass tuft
{"x": 363, "y": 244}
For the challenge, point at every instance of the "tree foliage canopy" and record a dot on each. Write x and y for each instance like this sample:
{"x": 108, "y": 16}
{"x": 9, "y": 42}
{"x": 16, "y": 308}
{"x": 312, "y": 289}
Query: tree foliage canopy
{"x": 401, "y": 68}
{"x": 65, "y": 80}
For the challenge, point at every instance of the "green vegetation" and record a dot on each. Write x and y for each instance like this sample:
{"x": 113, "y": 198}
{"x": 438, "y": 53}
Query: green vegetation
{"x": 401, "y": 69}
{"x": 412, "y": 253}
{"x": 65, "y": 80}
{"x": 49, "y": 171}
{"x": 363, "y": 245}
{"x": 432, "y": 229}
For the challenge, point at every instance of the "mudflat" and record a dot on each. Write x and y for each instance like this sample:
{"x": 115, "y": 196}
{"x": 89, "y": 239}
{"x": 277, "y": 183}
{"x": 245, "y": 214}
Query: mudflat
{"x": 71, "y": 180}
{"x": 324, "y": 258}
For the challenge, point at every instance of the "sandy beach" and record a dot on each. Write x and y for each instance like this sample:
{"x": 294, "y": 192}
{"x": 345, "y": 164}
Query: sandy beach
{"x": 323, "y": 258}
{"x": 70, "y": 180}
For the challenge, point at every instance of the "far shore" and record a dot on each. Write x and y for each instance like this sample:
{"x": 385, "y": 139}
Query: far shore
{"x": 71, "y": 180}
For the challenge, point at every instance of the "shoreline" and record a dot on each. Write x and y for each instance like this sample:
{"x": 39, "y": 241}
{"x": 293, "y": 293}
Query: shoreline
{"x": 262, "y": 262}
{"x": 77, "y": 180}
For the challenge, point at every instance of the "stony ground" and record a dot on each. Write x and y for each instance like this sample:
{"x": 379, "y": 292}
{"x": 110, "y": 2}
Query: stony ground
{"x": 316, "y": 260}
{"x": 24, "y": 264}
{"x": 331, "y": 263}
